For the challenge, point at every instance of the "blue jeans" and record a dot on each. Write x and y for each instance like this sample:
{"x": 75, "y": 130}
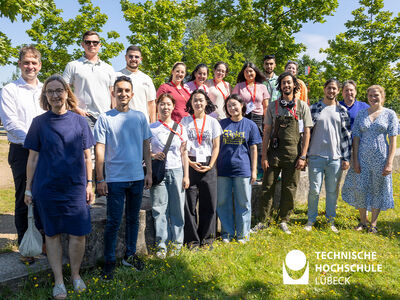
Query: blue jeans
{"x": 317, "y": 168}
{"x": 238, "y": 188}
{"x": 168, "y": 202}
{"x": 132, "y": 191}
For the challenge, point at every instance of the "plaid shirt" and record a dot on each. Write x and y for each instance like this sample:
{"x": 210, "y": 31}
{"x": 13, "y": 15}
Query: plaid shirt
{"x": 345, "y": 130}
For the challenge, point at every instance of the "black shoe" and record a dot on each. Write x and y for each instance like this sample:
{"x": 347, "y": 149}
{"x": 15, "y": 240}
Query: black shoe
{"x": 133, "y": 261}
{"x": 108, "y": 270}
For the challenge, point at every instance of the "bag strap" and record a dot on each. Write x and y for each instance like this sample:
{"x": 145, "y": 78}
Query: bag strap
{"x": 170, "y": 137}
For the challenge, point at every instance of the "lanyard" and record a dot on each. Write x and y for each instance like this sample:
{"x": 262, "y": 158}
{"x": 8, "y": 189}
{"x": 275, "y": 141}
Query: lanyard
{"x": 293, "y": 113}
{"x": 199, "y": 137}
{"x": 253, "y": 97}
{"x": 180, "y": 91}
{"x": 199, "y": 87}
{"x": 226, "y": 88}
{"x": 166, "y": 125}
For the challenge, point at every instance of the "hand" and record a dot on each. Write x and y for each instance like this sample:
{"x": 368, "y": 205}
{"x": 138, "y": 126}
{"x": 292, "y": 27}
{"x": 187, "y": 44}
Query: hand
{"x": 265, "y": 164}
{"x": 148, "y": 181}
{"x": 185, "y": 182}
{"x": 102, "y": 188}
{"x": 159, "y": 156}
{"x": 387, "y": 170}
{"x": 356, "y": 167}
{"x": 28, "y": 200}
{"x": 80, "y": 111}
{"x": 195, "y": 165}
{"x": 89, "y": 194}
{"x": 301, "y": 164}
{"x": 253, "y": 177}
{"x": 204, "y": 169}
{"x": 345, "y": 165}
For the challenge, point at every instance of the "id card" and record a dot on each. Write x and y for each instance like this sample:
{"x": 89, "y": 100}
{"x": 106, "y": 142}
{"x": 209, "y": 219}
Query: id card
{"x": 250, "y": 107}
{"x": 200, "y": 155}
{"x": 301, "y": 126}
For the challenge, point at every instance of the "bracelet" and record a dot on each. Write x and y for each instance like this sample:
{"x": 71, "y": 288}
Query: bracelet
{"x": 100, "y": 181}
{"x": 28, "y": 193}
{"x": 89, "y": 180}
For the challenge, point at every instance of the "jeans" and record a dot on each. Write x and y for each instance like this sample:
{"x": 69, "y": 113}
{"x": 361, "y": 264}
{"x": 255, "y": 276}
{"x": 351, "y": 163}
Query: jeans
{"x": 317, "y": 167}
{"x": 236, "y": 211}
{"x": 168, "y": 202}
{"x": 117, "y": 192}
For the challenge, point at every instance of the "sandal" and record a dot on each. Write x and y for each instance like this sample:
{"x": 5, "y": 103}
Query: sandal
{"x": 373, "y": 229}
{"x": 361, "y": 227}
{"x": 59, "y": 291}
{"x": 79, "y": 285}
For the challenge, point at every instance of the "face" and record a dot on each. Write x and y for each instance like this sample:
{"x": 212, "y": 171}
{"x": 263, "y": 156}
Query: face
{"x": 331, "y": 91}
{"x": 133, "y": 59}
{"x": 234, "y": 108}
{"x": 375, "y": 98}
{"x": 292, "y": 69}
{"x": 249, "y": 74}
{"x": 269, "y": 66}
{"x": 220, "y": 72}
{"x": 91, "y": 44}
{"x": 123, "y": 92}
{"x": 199, "y": 103}
{"x": 287, "y": 85}
{"x": 349, "y": 93}
{"x": 30, "y": 66}
{"x": 178, "y": 74}
{"x": 165, "y": 107}
{"x": 56, "y": 94}
{"x": 201, "y": 75}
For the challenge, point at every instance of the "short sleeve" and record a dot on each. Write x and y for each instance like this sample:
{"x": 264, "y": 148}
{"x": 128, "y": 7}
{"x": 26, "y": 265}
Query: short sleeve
{"x": 216, "y": 128}
{"x": 236, "y": 89}
{"x": 146, "y": 128}
{"x": 152, "y": 90}
{"x": 113, "y": 76}
{"x": 393, "y": 126}
{"x": 32, "y": 140}
{"x": 254, "y": 136}
{"x": 162, "y": 89}
{"x": 87, "y": 136}
{"x": 100, "y": 130}
{"x": 266, "y": 94}
{"x": 68, "y": 74}
{"x": 356, "y": 125}
{"x": 268, "y": 119}
{"x": 307, "y": 116}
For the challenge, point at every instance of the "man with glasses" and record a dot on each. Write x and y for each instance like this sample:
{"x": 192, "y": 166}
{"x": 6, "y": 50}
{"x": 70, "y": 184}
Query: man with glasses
{"x": 92, "y": 79}
{"x": 144, "y": 92}
{"x": 19, "y": 104}
{"x": 272, "y": 78}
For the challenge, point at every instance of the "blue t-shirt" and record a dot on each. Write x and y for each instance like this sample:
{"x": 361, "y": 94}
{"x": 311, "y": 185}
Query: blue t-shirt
{"x": 123, "y": 134}
{"x": 354, "y": 109}
{"x": 234, "y": 155}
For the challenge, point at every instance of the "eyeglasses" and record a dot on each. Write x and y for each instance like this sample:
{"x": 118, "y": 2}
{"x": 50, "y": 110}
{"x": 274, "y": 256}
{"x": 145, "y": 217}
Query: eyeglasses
{"x": 95, "y": 43}
{"x": 58, "y": 92}
{"x": 133, "y": 56}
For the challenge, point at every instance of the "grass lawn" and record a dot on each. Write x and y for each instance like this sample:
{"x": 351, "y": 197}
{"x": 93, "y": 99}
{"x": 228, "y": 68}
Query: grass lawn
{"x": 254, "y": 270}
{"x": 7, "y": 201}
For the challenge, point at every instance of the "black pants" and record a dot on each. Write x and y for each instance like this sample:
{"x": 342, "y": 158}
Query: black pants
{"x": 17, "y": 159}
{"x": 203, "y": 186}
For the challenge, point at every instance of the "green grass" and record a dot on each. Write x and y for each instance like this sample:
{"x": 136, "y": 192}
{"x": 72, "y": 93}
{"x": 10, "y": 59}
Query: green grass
{"x": 7, "y": 201}
{"x": 254, "y": 270}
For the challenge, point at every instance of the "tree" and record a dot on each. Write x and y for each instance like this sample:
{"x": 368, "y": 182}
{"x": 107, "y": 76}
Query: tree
{"x": 368, "y": 49}
{"x": 12, "y": 9}
{"x": 314, "y": 80}
{"x": 59, "y": 40}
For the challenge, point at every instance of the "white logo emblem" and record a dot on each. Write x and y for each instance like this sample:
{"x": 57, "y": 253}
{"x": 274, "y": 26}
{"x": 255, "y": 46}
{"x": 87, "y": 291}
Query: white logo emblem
{"x": 295, "y": 260}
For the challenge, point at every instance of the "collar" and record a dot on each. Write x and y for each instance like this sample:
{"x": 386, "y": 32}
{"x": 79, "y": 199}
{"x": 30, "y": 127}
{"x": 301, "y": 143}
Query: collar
{"x": 21, "y": 82}
{"x": 86, "y": 61}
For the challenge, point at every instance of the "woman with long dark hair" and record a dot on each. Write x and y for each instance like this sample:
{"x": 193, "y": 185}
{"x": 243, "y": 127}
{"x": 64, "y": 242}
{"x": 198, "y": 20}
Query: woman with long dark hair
{"x": 198, "y": 79}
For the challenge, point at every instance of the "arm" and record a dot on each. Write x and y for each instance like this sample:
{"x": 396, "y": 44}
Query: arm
{"x": 185, "y": 163}
{"x": 301, "y": 163}
{"x": 89, "y": 167}
{"x": 392, "y": 151}
{"x": 148, "y": 180}
{"x": 265, "y": 104}
{"x": 151, "y": 108}
{"x": 102, "y": 188}
{"x": 253, "y": 157}
{"x": 356, "y": 143}
{"x": 265, "y": 145}
{"x": 214, "y": 156}
{"x": 30, "y": 171}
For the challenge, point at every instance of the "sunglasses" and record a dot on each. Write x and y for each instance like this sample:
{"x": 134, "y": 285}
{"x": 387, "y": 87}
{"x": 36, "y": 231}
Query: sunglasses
{"x": 133, "y": 56}
{"x": 95, "y": 43}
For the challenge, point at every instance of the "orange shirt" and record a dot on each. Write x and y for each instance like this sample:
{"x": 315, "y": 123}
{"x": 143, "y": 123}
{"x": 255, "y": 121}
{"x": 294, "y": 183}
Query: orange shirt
{"x": 302, "y": 94}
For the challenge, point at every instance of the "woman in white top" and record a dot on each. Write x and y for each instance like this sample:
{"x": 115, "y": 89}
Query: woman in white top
{"x": 168, "y": 197}
{"x": 219, "y": 89}
{"x": 198, "y": 78}
{"x": 203, "y": 146}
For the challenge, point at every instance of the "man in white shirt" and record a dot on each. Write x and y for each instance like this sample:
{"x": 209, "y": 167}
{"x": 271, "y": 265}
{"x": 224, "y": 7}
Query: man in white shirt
{"x": 92, "y": 79}
{"x": 143, "y": 87}
{"x": 19, "y": 104}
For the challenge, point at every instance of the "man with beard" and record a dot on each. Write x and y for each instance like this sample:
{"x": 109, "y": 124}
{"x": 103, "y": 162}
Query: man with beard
{"x": 272, "y": 78}
{"x": 285, "y": 144}
{"x": 302, "y": 93}
{"x": 329, "y": 152}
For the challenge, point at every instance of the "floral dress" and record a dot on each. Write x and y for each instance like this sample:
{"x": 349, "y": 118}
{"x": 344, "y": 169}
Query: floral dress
{"x": 370, "y": 189}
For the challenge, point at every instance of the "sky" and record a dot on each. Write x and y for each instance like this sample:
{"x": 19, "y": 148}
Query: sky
{"x": 313, "y": 35}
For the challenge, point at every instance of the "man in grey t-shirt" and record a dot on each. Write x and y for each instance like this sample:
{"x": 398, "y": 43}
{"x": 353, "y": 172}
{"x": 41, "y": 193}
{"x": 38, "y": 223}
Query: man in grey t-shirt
{"x": 329, "y": 152}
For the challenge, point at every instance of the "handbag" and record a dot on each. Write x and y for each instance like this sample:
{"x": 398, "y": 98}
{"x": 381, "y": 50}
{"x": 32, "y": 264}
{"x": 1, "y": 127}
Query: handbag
{"x": 158, "y": 166}
{"x": 31, "y": 244}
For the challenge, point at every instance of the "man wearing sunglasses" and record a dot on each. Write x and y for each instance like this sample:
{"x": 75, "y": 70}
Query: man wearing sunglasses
{"x": 92, "y": 79}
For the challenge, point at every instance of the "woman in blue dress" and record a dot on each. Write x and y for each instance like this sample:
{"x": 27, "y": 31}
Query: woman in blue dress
{"x": 59, "y": 178}
{"x": 368, "y": 185}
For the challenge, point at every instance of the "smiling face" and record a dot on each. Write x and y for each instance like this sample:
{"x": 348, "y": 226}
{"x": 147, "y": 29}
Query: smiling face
{"x": 249, "y": 74}
{"x": 375, "y": 98}
{"x": 234, "y": 108}
{"x": 220, "y": 72}
{"x": 91, "y": 44}
{"x": 349, "y": 94}
{"x": 56, "y": 95}
{"x": 201, "y": 76}
{"x": 133, "y": 60}
{"x": 331, "y": 91}
{"x": 287, "y": 85}
{"x": 199, "y": 103}
{"x": 30, "y": 67}
{"x": 165, "y": 107}
{"x": 292, "y": 69}
{"x": 123, "y": 93}
{"x": 178, "y": 74}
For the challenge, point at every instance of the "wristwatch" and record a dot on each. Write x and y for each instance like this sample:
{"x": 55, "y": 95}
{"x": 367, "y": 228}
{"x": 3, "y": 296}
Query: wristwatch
{"x": 303, "y": 157}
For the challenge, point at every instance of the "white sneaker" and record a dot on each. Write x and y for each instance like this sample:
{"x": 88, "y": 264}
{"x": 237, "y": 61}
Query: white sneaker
{"x": 226, "y": 241}
{"x": 161, "y": 254}
{"x": 334, "y": 229}
{"x": 308, "y": 226}
{"x": 284, "y": 227}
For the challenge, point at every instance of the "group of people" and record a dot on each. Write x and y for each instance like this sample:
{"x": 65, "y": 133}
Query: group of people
{"x": 215, "y": 141}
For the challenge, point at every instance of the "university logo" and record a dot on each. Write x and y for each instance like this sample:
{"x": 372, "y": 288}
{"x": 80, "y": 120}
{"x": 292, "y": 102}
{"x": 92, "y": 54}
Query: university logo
{"x": 295, "y": 261}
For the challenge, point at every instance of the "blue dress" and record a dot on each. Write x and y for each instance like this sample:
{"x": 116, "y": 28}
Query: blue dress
{"x": 370, "y": 189}
{"x": 59, "y": 182}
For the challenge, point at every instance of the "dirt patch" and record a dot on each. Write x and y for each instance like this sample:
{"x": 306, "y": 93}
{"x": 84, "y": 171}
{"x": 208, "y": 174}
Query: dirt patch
{"x": 6, "y": 179}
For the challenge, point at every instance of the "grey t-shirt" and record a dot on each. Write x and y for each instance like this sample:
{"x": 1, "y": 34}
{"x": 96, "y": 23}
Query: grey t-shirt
{"x": 325, "y": 138}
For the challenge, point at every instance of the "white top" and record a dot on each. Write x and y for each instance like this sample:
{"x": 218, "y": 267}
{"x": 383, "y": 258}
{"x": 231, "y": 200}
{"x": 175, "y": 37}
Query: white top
{"x": 19, "y": 104}
{"x": 159, "y": 139}
{"x": 191, "y": 85}
{"x": 218, "y": 97}
{"x": 212, "y": 129}
{"x": 143, "y": 90}
{"x": 91, "y": 82}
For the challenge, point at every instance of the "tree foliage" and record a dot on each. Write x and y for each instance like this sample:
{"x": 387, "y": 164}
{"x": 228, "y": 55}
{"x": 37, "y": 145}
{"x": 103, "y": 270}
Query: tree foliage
{"x": 314, "y": 80}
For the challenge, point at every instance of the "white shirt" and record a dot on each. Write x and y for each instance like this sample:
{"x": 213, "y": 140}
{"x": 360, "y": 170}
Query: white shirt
{"x": 19, "y": 104}
{"x": 143, "y": 90}
{"x": 91, "y": 82}
{"x": 218, "y": 96}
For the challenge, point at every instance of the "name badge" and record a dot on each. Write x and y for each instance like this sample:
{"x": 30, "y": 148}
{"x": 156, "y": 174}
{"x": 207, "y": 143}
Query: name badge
{"x": 200, "y": 155}
{"x": 301, "y": 126}
{"x": 250, "y": 107}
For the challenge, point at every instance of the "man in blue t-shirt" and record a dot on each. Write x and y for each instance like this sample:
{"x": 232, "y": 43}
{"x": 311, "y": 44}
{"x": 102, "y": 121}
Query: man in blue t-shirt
{"x": 349, "y": 93}
{"x": 123, "y": 141}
